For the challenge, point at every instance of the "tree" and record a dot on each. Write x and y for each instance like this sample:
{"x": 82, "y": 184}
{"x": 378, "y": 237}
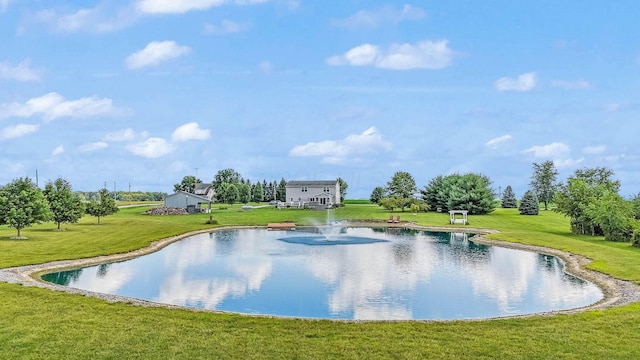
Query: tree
{"x": 281, "y": 190}
{"x": 103, "y": 206}
{"x": 258, "y": 192}
{"x": 65, "y": 206}
{"x": 613, "y": 214}
{"x": 188, "y": 184}
{"x": 377, "y": 194}
{"x": 343, "y": 189}
{"x": 471, "y": 192}
{"x": 229, "y": 193}
{"x": 244, "y": 193}
{"x": 436, "y": 193}
{"x": 22, "y": 204}
{"x": 529, "y": 205}
{"x": 403, "y": 187}
{"x": 391, "y": 202}
{"x": 228, "y": 176}
{"x": 509, "y": 198}
{"x": 635, "y": 205}
{"x": 543, "y": 181}
{"x": 269, "y": 193}
{"x": 585, "y": 187}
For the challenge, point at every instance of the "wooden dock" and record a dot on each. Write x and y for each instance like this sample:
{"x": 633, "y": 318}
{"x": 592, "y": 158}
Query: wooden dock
{"x": 281, "y": 226}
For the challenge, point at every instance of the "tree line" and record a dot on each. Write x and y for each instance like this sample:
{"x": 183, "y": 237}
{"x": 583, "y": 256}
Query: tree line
{"x": 231, "y": 187}
{"x": 23, "y": 204}
{"x": 471, "y": 192}
{"x": 590, "y": 198}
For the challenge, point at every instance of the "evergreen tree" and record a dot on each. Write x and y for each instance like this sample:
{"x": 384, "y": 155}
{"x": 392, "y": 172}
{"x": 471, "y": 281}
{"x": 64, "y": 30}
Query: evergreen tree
{"x": 509, "y": 198}
{"x": 65, "y": 206}
{"x": 281, "y": 190}
{"x": 471, "y": 192}
{"x": 22, "y": 204}
{"x": 257, "y": 192}
{"x": 377, "y": 194}
{"x": 103, "y": 206}
{"x": 529, "y": 204}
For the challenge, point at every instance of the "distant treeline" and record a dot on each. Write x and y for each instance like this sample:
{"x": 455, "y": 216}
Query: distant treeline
{"x": 124, "y": 196}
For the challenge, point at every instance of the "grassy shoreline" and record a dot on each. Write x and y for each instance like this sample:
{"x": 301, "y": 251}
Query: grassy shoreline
{"x": 39, "y": 323}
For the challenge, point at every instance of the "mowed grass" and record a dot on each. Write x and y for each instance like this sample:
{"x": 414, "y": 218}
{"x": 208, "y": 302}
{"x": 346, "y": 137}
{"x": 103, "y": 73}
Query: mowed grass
{"x": 43, "y": 324}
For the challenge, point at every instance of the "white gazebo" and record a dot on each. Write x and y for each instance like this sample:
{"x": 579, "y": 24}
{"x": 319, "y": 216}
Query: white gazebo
{"x": 454, "y": 220}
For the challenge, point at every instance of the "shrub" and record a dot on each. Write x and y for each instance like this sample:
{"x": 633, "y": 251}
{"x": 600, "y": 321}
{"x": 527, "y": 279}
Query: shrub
{"x": 635, "y": 238}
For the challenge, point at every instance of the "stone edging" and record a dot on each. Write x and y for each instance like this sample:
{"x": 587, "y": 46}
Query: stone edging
{"x": 616, "y": 292}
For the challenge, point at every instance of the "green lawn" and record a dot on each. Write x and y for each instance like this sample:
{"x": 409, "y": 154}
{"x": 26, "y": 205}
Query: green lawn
{"x": 42, "y": 324}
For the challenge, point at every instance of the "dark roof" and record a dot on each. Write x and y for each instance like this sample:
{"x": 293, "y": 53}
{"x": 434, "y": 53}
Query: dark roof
{"x": 202, "y": 188}
{"x": 312, "y": 183}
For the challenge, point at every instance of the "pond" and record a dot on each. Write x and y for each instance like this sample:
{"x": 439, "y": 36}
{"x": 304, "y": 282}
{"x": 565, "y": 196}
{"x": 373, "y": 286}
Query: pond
{"x": 353, "y": 273}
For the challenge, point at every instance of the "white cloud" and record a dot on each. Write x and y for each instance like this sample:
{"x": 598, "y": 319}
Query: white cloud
{"x": 423, "y": 55}
{"x": 523, "y": 82}
{"x": 151, "y": 148}
{"x": 337, "y": 151}
{"x": 57, "y": 151}
{"x": 226, "y": 27}
{"x": 53, "y": 106}
{"x": 100, "y": 19}
{"x": 124, "y": 135}
{"x": 154, "y": 53}
{"x": 16, "y": 131}
{"x": 572, "y": 85}
{"x": 20, "y": 72}
{"x": 385, "y": 15}
{"x": 91, "y": 147}
{"x": 567, "y": 163}
{"x": 4, "y": 4}
{"x": 494, "y": 143}
{"x": 190, "y": 131}
{"x": 179, "y": 7}
{"x": 594, "y": 150}
{"x": 550, "y": 150}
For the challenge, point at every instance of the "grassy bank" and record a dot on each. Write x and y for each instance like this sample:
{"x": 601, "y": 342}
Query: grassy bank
{"x": 39, "y": 323}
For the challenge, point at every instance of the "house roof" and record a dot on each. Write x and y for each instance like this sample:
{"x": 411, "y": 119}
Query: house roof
{"x": 184, "y": 193}
{"x": 312, "y": 183}
{"x": 202, "y": 188}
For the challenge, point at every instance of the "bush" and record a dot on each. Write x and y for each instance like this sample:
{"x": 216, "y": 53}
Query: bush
{"x": 635, "y": 238}
{"x": 529, "y": 204}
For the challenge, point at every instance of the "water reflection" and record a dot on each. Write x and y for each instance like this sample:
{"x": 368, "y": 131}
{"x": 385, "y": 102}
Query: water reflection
{"x": 411, "y": 275}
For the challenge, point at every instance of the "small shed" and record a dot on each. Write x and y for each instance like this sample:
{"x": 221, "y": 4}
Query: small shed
{"x": 456, "y": 220}
{"x": 190, "y": 202}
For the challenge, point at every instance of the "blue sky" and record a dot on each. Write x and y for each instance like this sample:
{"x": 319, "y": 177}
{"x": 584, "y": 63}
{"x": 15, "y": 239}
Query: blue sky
{"x": 144, "y": 92}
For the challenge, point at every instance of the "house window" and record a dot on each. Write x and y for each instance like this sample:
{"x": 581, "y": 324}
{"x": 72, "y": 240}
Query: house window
{"x": 304, "y": 189}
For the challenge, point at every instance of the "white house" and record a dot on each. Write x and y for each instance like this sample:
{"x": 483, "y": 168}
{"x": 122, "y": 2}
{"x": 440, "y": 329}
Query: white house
{"x": 192, "y": 202}
{"x": 204, "y": 190}
{"x": 316, "y": 194}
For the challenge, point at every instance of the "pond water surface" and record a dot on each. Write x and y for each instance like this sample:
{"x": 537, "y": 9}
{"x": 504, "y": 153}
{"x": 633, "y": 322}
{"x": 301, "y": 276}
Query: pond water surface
{"x": 359, "y": 273}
